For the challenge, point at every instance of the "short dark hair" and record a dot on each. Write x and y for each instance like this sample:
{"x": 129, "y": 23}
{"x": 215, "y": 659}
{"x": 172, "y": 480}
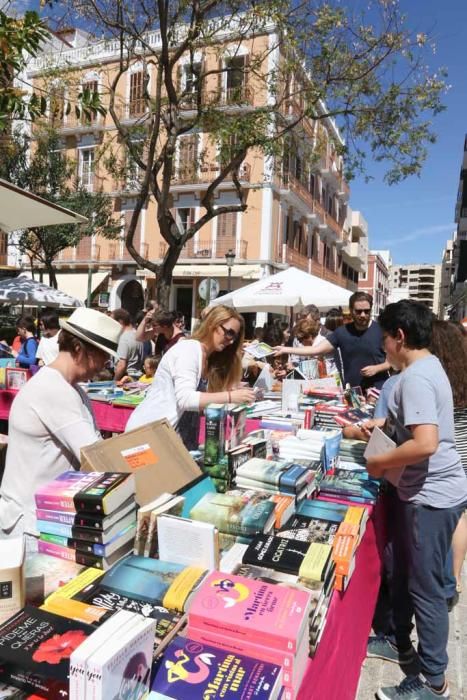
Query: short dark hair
{"x": 122, "y": 316}
{"x": 413, "y": 318}
{"x": 360, "y": 296}
{"x": 67, "y": 342}
{"x": 164, "y": 318}
{"x": 334, "y": 319}
{"x": 313, "y": 311}
{"x": 26, "y": 322}
{"x": 50, "y": 321}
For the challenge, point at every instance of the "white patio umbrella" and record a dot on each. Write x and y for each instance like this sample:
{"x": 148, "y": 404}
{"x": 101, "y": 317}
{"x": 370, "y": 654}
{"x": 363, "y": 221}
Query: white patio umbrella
{"x": 21, "y": 209}
{"x": 288, "y": 289}
{"x": 28, "y": 292}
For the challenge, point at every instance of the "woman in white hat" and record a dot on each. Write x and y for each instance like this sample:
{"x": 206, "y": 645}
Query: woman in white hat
{"x": 51, "y": 418}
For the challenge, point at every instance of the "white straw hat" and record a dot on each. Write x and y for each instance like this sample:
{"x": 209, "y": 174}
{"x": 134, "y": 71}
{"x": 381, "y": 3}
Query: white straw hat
{"x": 95, "y": 328}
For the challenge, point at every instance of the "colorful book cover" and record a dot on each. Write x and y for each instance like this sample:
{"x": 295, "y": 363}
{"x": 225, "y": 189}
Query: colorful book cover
{"x": 322, "y": 510}
{"x": 35, "y": 650}
{"x": 350, "y": 487}
{"x": 214, "y": 433}
{"x": 141, "y": 578}
{"x": 277, "y": 553}
{"x": 191, "y": 671}
{"x": 237, "y": 457}
{"x": 95, "y": 492}
{"x": 285, "y": 507}
{"x": 295, "y": 477}
{"x": 235, "y": 426}
{"x": 76, "y": 610}
{"x": 142, "y": 522}
{"x": 95, "y": 521}
{"x": 236, "y": 512}
{"x": 248, "y": 609}
{"x": 309, "y": 530}
{"x": 263, "y": 470}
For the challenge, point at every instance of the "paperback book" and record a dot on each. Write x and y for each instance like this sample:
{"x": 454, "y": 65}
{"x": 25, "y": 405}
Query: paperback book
{"x": 84, "y": 558}
{"x": 88, "y": 534}
{"x": 88, "y": 547}
{"x": 246, "y": 609}
{"x": 75, "y": 492}
{"x": 93, "y": 521}
{"x": 191, "y": 671}
{"x": 35, "y": 650}
{"x": 236, "y": 512}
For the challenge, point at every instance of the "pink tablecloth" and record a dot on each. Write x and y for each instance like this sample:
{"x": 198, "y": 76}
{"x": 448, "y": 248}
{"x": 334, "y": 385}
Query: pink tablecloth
{"x": 334, "y": 672}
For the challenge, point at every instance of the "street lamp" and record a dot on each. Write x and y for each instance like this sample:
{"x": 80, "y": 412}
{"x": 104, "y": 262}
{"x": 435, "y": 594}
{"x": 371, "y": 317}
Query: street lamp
{"x": 229, "y": 259}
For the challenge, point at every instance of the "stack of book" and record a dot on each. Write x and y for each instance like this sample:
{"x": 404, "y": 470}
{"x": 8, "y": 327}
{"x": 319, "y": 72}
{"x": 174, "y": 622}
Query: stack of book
{"x": 345, "y": 545}
{"x": 87, "y": 518}
{"x": 352, "y": 486}
{"x": 145, "y": 543}
{"x": 260, "y": 620}
{"x": 221, "y": 675}
{"x": 353, "y": 416}
{"x": 326, "y": 414}
{"x": 313, "y": 445}
{"x": 277, "y": 477}
{"x": 351, "y": 453}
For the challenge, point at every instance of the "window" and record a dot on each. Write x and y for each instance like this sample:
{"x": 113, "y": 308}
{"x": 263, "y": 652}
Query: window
{"x": 184, "y": 217}
{"x": 236, "y": 78}
{"x": 187, "y": 157}
{"x": 327, "y": 256}
{"x": 191, "y": 77}
{"x": 90, "y": 86}
{"x": 137, "y": 105}
{"x": 86, "y": 168}
{"x": 227, "y": 225}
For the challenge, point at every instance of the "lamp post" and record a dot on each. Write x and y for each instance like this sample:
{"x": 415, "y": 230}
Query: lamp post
{"x": 229, "y": 259}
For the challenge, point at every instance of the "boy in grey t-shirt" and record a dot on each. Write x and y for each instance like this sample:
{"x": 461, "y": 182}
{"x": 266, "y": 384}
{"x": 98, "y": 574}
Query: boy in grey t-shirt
{"x": 431, "y": 496}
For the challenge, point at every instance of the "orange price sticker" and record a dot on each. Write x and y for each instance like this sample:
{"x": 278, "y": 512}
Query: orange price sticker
{"x": 139, "y": 456}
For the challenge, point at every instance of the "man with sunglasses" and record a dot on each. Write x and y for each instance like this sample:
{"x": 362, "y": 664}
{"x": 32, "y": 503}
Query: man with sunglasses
{"x": 360, "y": 343}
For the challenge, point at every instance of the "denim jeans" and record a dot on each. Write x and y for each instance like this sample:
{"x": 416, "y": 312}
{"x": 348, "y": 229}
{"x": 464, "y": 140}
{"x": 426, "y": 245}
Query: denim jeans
{"x": 422, "y": 540}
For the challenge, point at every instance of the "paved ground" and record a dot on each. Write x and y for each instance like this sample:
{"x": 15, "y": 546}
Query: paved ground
{"x": 376, "y": 673}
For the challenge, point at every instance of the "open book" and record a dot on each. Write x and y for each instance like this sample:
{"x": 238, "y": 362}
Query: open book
{"x": 378, "y": 444}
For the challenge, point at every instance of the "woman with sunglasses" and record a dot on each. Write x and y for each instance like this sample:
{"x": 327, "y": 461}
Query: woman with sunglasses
{"x": 204, "y": 369}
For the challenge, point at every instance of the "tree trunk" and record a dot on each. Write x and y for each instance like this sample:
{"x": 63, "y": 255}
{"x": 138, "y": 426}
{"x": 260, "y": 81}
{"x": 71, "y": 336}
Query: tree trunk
{"x": 164, "y": 276}
{"x": 52, "y": 276}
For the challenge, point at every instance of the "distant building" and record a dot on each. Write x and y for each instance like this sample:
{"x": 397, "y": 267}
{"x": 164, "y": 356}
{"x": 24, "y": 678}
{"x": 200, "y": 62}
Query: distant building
{"x": 458, "y": 296}
{"x": 376, "y": 279}
{"x": 397, "y": 294}
{"x": 422, "y": 280}
{"x": 448, "y": 270}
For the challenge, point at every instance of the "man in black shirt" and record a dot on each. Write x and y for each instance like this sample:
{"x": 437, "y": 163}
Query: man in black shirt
{"x": 360, "y": 343}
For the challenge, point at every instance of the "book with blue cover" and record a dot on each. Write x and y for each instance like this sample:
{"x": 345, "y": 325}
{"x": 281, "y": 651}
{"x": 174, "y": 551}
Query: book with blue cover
{"x": 322, "y": 510}
{"x": 190, "y": 670}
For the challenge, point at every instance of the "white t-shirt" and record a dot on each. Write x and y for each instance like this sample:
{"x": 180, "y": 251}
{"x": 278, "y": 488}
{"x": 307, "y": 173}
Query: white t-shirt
{"x": 47, "y": 350}
{"x": 50, "y": 420}
{"x": 174, "y": 388}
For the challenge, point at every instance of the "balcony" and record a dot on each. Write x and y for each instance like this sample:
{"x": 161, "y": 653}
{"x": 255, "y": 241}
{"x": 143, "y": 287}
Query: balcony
{"x": 118, "y": 252}
{"x": 296, "y": 259}
{"x": 292, "y": 184}
{"x": 237, "y": 95}
{"x": 359, "y": 225}
{"x": 71, "y": 123}
{"x": 209, "y": 250}
{"x": 356, "y": 251}
{"x": 206, "y": 173}
{"x": 85, "y": 252}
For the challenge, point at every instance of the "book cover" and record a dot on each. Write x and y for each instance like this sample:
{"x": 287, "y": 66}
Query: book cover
{"x": 248, "y": 609}
{"x": 35, "y": 650}
{"x": 295, "y": 477}
{"x": 87, "y": 534}
{"x": 93, "y": 492}
{"x": 259, "y": 350}
{"x": 277, "y": 553}
{"x": 188, "y": 542}
{"x": 141, "y": 578}
{"x": 261, "y": 573}
{"x": 121, "y": 667}
{"x": 76, "y": 610}
{"x": 309, "y": 530}
{"x": 237, "y": 457}
{"x": 284, "y": 509}
{"x": 183, "y": 589}
{"x": 94, "y": 521}
{"x": 235, "y": 426}
{"x": 353, "y": 487}
{"x": 12, "y": 582}
{"x": 344, "y": 546}
{"x": 263, "y": 470}
{"x": 214, "y": 433}
{"x": 191, "y": 670}
{"x": 236, "y": 512}
{"x": 104, "y": 563}
{"x": 88, "y": 547}
{"x": 317, "y": 563}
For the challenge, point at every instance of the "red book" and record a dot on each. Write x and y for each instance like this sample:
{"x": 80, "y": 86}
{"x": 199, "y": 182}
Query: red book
{"x": 247, "y": 609}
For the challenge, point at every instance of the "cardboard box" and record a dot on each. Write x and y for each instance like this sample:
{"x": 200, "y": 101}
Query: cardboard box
{"x": 154, "y": 453}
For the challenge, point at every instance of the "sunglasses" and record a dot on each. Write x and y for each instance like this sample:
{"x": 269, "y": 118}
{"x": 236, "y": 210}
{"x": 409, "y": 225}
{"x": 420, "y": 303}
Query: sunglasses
{"x": 229, "y": 333}
{"x": 359, "y": 312}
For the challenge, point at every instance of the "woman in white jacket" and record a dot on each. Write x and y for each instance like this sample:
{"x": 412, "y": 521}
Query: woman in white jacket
{"x": 194, "y": 373}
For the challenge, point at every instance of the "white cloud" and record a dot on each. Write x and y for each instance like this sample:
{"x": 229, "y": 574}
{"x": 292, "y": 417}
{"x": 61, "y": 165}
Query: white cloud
{"x": 425, "y": 232}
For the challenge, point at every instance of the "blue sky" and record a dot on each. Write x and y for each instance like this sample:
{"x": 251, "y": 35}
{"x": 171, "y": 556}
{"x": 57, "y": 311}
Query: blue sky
{"x": 414, "y": 219}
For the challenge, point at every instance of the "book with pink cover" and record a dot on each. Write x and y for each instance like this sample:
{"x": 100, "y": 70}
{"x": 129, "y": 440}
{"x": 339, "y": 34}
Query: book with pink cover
{"x": 251, "y": 610}
{"x": 293, "y": 665}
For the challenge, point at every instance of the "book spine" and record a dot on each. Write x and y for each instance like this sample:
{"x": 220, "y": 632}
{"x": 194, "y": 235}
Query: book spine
{"x": 70, "y": 554}
{"x": 92, "y": 499}
{"x": 74, "y": 519}
{"x": 225, "y": 629}
{"x": 55, "y": 501}
{"x": 256, "y": 651}
{"x": 76, "y": 544}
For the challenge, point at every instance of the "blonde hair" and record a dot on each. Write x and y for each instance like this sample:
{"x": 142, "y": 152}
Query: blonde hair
{"x": 225, "y": 367}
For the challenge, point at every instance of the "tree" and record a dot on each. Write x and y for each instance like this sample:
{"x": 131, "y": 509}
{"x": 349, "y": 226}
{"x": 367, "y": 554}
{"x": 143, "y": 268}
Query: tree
{"x": 44, "y": 170}
{"x": 320, "y": 61}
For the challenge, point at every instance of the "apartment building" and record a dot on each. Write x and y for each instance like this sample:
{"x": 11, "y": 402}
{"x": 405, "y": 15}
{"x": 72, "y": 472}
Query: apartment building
{"x": 422, "y": 280}
{"x": 458, "y": 289}
{"x": 296, "y": 215}
{"x": 375, "y": 280}
{"x": 448, "y": 270}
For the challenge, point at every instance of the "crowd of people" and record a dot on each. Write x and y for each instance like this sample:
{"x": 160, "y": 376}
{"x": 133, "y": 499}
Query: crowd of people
{"x": 418, "y": 363}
